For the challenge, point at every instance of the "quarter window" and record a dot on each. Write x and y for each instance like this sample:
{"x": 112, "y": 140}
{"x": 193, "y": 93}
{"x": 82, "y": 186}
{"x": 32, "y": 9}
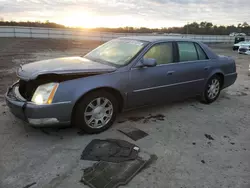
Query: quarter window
{"x": 187, "y": 51}
{"x": 162, "y": 53}
{"x": 201, "y": 53}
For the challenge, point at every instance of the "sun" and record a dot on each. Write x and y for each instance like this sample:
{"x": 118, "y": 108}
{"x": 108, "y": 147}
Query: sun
{"x": 84, "y": 20}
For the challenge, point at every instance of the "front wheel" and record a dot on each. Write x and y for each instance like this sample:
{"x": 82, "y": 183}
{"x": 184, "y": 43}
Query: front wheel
{"x": 212, "y": 90}
{"x": 96, "y": 112}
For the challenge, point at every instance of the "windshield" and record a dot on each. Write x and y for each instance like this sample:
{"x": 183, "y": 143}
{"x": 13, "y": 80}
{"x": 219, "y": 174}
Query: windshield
{"x": 118, "y": 52}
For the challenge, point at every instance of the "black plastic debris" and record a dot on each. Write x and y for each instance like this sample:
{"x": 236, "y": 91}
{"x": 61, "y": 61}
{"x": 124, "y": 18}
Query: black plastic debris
{"x": 121, "y": 121}
{"x": 133, "y": 133}
{"x": 81, "y": 133}
{"x": 111, "y": 175}
{"x": 135, "y": 119}
{"x": 209, "y": 137}
{"x": 30, "y": 185}
{"x": 45, "y": 131}
{"x": 110, "y": 150}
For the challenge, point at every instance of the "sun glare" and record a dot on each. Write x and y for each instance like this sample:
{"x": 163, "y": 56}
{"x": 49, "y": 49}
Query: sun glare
{"x": 79, "y": 20}
{"x": 88, "y": 20}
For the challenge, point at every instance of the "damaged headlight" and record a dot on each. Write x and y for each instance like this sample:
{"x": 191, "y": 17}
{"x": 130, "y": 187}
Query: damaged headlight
{"x": 44, "y": 94}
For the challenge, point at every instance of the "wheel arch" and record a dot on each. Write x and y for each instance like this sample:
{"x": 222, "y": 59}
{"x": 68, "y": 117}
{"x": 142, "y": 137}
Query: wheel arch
{"x": 120, "y": 98}
{"x": 218, "y": 73}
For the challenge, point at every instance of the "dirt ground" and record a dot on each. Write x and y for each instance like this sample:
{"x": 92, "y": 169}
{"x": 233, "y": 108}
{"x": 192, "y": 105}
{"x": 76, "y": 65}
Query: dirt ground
{"x": 197, "y": 145}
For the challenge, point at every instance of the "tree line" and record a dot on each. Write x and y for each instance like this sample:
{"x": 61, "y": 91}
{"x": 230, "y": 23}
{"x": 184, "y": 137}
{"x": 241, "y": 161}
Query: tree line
{"x": 191, "y": 28}
{"x": 46, "y": 24}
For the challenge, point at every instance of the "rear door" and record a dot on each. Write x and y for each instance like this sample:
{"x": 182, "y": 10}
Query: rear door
{"x": 192, "y": 70}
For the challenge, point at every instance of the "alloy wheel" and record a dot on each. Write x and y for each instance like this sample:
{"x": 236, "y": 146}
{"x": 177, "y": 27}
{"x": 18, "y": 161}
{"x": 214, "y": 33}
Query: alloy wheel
{"x": 98, "y": 112}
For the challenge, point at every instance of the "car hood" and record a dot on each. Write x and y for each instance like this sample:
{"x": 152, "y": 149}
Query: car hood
{"x": 66, "y": 65}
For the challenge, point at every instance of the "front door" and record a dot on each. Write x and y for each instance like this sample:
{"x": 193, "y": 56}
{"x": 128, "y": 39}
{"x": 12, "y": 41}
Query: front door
{"x": 149, "y": 85}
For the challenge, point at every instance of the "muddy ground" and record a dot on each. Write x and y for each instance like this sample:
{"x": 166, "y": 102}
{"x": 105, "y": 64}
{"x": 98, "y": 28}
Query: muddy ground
{"x": 197, "y": 145}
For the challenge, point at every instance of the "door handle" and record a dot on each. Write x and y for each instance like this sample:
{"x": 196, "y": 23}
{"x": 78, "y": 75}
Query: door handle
{"x": 170, "y": 72}
{"x": 206, "y": 68}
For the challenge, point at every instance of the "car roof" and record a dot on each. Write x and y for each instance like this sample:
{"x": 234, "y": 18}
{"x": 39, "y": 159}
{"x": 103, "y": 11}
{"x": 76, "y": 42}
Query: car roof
{"x": 156, "y": 38}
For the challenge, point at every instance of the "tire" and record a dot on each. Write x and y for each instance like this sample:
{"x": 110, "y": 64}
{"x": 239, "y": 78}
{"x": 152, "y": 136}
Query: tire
{"x": 94, "y": 118}
{"x": 207, "y": 96}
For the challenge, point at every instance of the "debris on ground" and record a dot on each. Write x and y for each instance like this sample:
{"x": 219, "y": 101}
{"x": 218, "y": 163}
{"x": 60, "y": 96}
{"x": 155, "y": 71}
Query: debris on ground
{"x": 209, "y": 137}
{"x": 158, "y": 117}
{"x": 133, "y": 133}
{"x": 196, "y": 107}
{"x": 52, "y": 132}
{"x": 30, "y": 185}
{"x": 121, "y": 121}
{"x": 232, "y": 143}
{"x": 225, "y": 97}
{"x": 135, "y": 118}
{"x": 81, "y": 132}
{"x": 111, "y": 175}
{"x": 45, "y": 131}
{"x": 203, "y": 161}
{"x": 242, "y": 94}
{"x": 194, "y": 143}
{"x": 154, "y": 118}
{"x": 110, "y": 150}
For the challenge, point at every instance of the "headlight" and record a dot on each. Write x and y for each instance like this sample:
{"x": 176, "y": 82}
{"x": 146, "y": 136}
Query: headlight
{"x": 44, "y": 94}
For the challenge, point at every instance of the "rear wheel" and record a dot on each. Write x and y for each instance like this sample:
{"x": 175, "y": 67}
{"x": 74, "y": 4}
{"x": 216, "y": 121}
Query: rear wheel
{"x": 96, "y": 111}
{"x": 212, "y": 90}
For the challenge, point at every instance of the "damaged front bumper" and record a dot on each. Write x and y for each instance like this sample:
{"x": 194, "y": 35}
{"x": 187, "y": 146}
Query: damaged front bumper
{"x": 37, "y": 115}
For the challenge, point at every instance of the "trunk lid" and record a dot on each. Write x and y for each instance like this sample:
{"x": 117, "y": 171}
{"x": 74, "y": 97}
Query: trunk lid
{"x": 66, "y": 65}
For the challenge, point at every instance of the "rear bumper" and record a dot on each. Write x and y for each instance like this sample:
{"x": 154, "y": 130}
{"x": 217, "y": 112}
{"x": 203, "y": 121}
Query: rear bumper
{"x": 229, "y": 79}
{"x": 38, "y": 115}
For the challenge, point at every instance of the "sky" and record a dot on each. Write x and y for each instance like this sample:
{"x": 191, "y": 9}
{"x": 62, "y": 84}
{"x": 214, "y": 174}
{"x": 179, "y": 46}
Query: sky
{"x": 121, "y": 13}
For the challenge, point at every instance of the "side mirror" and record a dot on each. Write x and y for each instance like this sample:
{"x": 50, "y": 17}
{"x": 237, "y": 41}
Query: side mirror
{"x": 147, "y": 62}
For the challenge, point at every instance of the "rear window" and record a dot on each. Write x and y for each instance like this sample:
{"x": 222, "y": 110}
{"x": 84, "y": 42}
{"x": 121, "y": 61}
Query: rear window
{"x": 187, "y": 51}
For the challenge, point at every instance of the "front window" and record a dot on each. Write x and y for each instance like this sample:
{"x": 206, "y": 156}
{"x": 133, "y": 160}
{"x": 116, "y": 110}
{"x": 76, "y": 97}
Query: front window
{"x": 162, "y": 53}
{"x": 117, "y": 52}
